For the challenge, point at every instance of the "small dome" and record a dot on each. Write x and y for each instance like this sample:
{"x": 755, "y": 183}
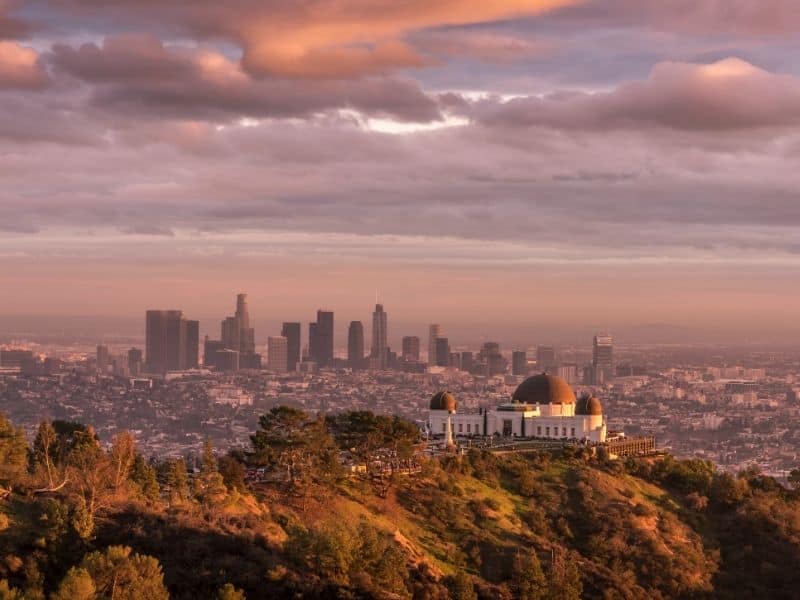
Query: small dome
{"x": 544, "y": 389}
{"x": 588, "y": 405}
{"x": 444, "y": 401}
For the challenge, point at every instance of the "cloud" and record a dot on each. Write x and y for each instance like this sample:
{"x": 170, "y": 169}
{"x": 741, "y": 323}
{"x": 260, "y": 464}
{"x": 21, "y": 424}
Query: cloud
{"x": 738, "y": 17}
{"x": 137, "y": 74}
{"x": 490, "y": 47}
{"x": 338, "y": 39}
{"x": 729, "y": 94}
{"x": 20, "y": 67}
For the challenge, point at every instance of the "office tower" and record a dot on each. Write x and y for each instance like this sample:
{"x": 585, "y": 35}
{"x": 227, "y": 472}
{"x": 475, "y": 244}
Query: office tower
{"x": 603, "y": 358}
{"x": 312, "y": 341}
{"x": 192, "y": 345}
{"x": 467, "y": 361}
{"x": 442, "y": 352}
{"x": 176, "y": 341}
{"x": 355, "y": 345}
{"x": 545, "y": 358}
{"x": 236, "y": 334}
{"x": 210, "y": 349}
{"x": 519, "y": 363}
{"x": 455, "y": 360}
{"x": 278, "y": 354}
{"x": 568, "y": 372}
{"x": 102, "y": 358}
{"x": 247, "y": 338}
{"x": 227, "y": 360}
{"x": 491, "y": 360}
{"x": 167, "y": 338}
{"x": 411, "y": 348}
{"x": 291, "y": 331}
{"x": 379, "y": 345}
{"x": 320, "y": 339}
{"x": 434, "y": 333}
{"x": 134, "y": 362}
{"x": 231, "y": 334}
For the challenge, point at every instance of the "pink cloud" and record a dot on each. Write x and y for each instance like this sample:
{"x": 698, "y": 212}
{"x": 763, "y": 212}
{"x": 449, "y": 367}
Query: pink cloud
{"x": 729, "y": 94}
{"x": 20, "y": 67}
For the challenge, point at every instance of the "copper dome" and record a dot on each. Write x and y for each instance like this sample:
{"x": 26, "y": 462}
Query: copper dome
{"x": 544, "y": 389}
{"x": 443, "y": 401}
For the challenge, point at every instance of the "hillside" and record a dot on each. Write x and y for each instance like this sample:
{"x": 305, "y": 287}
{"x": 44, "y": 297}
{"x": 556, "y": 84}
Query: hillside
{"x": 480, "y": 525}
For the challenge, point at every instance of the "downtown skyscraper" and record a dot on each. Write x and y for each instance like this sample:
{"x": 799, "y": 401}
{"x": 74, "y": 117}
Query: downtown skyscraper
{"x": 355, "y": 345}
{"x": 380, "y": 350}
{"x": 602, "y": 358}
{"x": 171, "y": 342}
{"x": 434, "y": 333}
{"x": 320, "y": 339}
{"x": 237, "y": 335}
{"x": 291, "y": 331}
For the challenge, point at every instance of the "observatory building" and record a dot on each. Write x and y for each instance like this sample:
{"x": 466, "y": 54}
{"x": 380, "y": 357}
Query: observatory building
{"x": 543, "y": 406}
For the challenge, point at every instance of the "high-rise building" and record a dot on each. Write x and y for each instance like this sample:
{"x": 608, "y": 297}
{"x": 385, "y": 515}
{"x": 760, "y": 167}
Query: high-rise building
{"x": 434, "y": 333}
{"x": 192, "y": 345}
{"x": 236, "y": 334}
{"x": 210, "y": 350}
{"x": 134, "y": 362}
{"x": 102, "y": 358}
{"x": 603, "y": 358}
{"x": 442, "y": 352}
{"x": 165, "y": 341}
{"x": 355, "y": 345}
{"x": 467, "y": 361}
{"x": 312, "y": 341}
{"x": 545, "y": 358}
{"x": 519, "y": 363}
{"x": 278, "y": 354}
{"x": 291, "y": 331}
{"x": 379, "y": 345}
{"x": 411, "y": 348}
{"x": 320, "y": 339}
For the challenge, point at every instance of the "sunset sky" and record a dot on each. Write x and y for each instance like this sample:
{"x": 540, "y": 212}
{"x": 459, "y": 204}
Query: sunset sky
{"x": 586, "y": 164}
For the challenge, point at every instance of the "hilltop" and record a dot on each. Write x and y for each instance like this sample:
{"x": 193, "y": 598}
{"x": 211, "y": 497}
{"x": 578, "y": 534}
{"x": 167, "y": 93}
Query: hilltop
{"x": 533, "y": 525}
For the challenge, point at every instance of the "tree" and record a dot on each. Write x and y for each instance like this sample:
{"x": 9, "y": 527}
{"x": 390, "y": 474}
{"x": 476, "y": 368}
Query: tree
{"x": 13, "y": 452}
{"x": 45, "y": 454}
{"x": 123, "y": 455}
{"x": 76, "y": 585}
{"x": 528, "y": 581}
{"x": 565, "y": 580}
{"x": 91, "y": 481}
{"x": 462, "y": 587}
{"x": 209, "y": 488}
{"x": 176, "y": 480}
{"x": 228, "y": 592}
{"x": 143, "y": 476}
{"x": 233, "y": 472}
{"x": 9, "y": 593}
{"x": 290, "y": 441}
{"x": 794, "y": 479}
{"x": 119, "y": 575}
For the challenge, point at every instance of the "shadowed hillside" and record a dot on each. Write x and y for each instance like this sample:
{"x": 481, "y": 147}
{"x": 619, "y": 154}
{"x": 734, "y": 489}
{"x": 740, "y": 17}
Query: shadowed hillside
{"x": 80, "y": 521}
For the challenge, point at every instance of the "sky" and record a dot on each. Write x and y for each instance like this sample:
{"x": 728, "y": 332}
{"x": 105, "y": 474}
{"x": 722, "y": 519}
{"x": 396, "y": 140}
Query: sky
{"x": 526, "y": 165}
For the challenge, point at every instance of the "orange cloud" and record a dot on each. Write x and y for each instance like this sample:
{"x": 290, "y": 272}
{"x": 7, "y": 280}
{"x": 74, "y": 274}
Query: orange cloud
{"x": 20, "y": 67}
{"x": 360, "y": 37}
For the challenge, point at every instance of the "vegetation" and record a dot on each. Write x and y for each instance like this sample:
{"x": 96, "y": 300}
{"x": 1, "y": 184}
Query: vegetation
{"x": 81, "y": 520}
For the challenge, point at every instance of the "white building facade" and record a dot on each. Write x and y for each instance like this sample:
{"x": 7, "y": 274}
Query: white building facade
{"x": 543, "y": 406}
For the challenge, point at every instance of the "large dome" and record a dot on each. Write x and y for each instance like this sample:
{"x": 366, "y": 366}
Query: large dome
{"x": 444, "y": 401}
{"x": 588, "y": 405}
{"x": 544, "y": 389}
